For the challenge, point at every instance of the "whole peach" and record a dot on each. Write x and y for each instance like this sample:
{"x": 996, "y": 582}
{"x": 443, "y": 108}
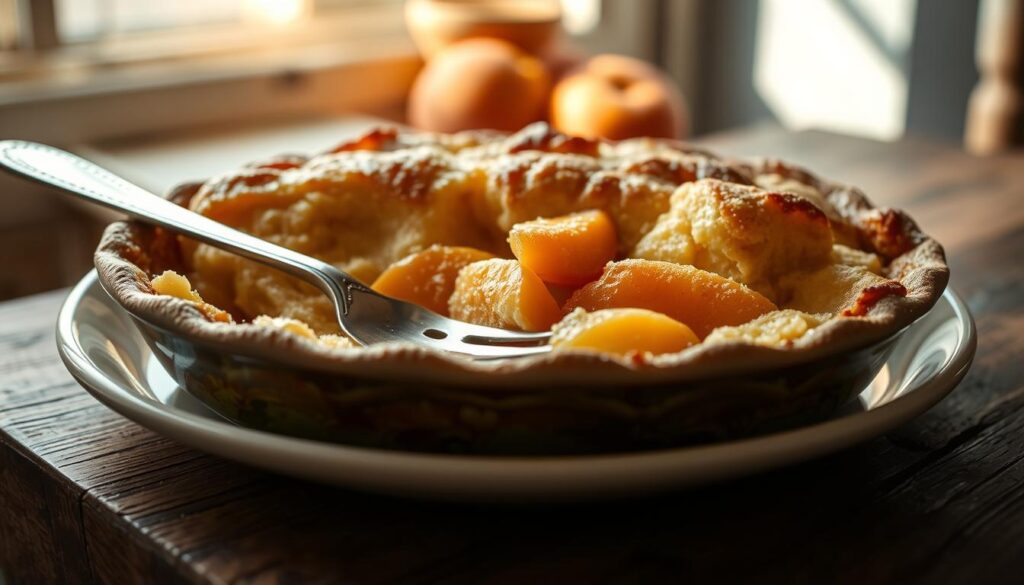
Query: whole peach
{"x": 617, "y": 97}
{"x": 479, "y": 83}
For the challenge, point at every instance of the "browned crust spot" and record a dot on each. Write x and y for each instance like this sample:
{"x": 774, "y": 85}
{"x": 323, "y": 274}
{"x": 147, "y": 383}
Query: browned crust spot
{"x": 281, "y": 163}
{"x": 790, "y": 203}
{"x": 870, "y": 296}
{"x": 213, "y": 313}
{"x": 678, "y": 171}
{"x": 250, "y": 178}
{"x": 546, "y": 139}
{"x": 409, "y": 182}
{"x": 708, "y": 168}
{"x": 773, "y": 166}
{"x": 672, "y": 171}
{"x": 601, "y": 188}
{"x": 888, "y": 232}
{"x": 377, "y": 140}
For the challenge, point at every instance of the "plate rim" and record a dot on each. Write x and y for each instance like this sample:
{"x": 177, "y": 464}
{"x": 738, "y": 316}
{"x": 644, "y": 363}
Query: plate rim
{"x": 506, "y": 478}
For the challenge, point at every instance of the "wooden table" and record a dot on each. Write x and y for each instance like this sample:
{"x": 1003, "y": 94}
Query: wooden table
{"x": 87, "y": 496}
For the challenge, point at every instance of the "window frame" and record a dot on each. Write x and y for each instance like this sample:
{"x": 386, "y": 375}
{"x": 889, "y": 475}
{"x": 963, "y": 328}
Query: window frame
{"x": 40, "y": 48}
{"x": 37, "y": 24}
{"x": 37, "y": 20}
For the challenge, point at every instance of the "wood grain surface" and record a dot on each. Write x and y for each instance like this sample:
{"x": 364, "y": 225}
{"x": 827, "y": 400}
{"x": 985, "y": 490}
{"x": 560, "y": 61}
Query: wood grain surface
{"x": 87, "y": 496}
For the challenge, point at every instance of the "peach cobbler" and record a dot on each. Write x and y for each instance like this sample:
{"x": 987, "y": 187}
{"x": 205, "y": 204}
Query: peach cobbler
{"x": 636, "y": 248}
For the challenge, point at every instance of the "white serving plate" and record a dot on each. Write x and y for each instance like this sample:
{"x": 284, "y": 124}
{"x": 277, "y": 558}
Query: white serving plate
{"x": 105, "y": 352}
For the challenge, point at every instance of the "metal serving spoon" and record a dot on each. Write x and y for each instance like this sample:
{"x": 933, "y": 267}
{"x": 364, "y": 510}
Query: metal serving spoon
{"x": 366, "y": 316}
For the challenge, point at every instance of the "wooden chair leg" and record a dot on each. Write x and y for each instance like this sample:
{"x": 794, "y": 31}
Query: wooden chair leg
{"x": 995, "y": 113}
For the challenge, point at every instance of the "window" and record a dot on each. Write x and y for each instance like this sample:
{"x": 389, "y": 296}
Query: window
{"x": 90, "y": 20}
{"x": 163, "y": 28}
{"x": 80, "y": 22}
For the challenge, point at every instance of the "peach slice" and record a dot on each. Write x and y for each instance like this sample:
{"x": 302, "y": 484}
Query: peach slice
{"x": 701, "y": 299}
{"x": 569, "y": 250}
{"x": 503, "y": 293}
{"x": 427, "y": 278}
{"x": 622, "y": 331}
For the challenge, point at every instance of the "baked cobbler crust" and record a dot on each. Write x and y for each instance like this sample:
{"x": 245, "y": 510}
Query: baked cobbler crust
{"x": 847, "y": 274}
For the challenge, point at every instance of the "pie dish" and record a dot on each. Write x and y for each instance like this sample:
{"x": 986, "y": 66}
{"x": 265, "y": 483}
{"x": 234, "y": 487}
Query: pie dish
{"x": 845, "y": 276}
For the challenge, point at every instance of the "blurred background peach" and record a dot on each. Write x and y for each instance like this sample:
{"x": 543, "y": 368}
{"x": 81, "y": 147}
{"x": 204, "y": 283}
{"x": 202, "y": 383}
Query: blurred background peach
{"x": 479, "y": 83}
{"x": 165, "y": 92}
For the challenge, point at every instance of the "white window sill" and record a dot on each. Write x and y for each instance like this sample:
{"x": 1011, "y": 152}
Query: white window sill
{"x": 165, "y": 97}
{"x": 351, "y": 60}
{"x": 132, "y": 51}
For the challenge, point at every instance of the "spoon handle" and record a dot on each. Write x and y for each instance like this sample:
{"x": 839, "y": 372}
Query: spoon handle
{"x": 75, "y": 175}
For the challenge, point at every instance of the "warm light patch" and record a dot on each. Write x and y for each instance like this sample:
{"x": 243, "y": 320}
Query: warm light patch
{"x": 840, "y": 66}
{"x": 276, "y": 12}
{"x": 580, "y": 17}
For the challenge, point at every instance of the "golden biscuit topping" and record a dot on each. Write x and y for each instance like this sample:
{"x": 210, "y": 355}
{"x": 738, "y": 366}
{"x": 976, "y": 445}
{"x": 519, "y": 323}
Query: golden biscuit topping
{"x": 748, "y": 234}
{"x": 172, "y": 284}
{"x": 775, "y": 329}
{"x": 518, "y": 232}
